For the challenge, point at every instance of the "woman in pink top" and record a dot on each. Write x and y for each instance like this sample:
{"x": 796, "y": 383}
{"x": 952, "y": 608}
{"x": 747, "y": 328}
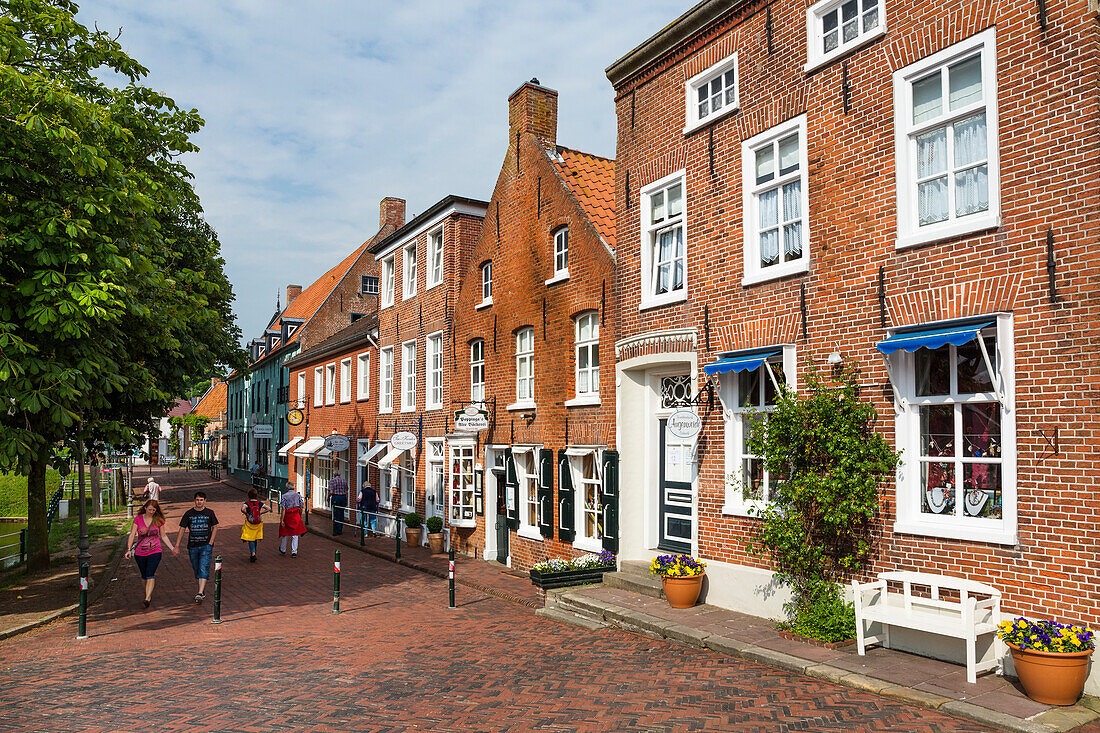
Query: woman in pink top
{"x": 144, "y": 543}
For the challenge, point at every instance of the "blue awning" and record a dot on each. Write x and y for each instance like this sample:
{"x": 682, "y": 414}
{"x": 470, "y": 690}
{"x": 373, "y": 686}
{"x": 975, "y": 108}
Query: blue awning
{"x": 932, "y": 338}
{"x": 739, "y": 362}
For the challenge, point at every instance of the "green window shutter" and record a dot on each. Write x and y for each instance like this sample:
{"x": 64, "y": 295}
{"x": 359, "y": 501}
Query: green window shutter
{"x": 566, "y": 498}
{"x": 546, "y": 492}
{"x": 511, "y": 486}
{"x": 609, "y": 499}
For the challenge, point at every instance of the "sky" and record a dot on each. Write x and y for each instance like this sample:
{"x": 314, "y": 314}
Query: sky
{"x": 317, "y": 110}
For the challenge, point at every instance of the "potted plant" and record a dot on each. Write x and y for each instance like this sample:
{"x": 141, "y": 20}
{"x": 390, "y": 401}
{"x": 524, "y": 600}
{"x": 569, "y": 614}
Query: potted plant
{"x": 682, "y": 578}
{"x": 413, "y": 529}
{"x": 435, "y": 534}
{"x": 1051, "y": 659}
{"x": 560, "y": 573}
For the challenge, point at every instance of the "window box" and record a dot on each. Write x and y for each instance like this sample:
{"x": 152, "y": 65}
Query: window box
{"x": 566, "y": 578}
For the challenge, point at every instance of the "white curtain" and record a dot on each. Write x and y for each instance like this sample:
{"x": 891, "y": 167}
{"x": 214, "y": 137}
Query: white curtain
{"x": 971, "y": 185}
{"x": 792, "y": 213}
{"x": 932, "y": 159}
{"x": 769, "y": 234}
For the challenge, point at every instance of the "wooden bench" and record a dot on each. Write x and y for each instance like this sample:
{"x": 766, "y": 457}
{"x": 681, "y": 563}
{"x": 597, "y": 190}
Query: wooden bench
{"x": 966, "y": 618}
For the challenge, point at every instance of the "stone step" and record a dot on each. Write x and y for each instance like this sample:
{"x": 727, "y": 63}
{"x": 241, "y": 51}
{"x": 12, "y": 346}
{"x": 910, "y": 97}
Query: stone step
{"x": 565, "y": 617}
{"x": 580, "y": 605}
{"x": 645, "y": 585}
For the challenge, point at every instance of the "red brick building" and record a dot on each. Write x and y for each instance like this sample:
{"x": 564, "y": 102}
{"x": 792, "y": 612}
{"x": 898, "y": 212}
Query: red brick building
{"x": 419, "y": 266}
{"x": 798, "y": 180}
{"x": 535, "y": 314}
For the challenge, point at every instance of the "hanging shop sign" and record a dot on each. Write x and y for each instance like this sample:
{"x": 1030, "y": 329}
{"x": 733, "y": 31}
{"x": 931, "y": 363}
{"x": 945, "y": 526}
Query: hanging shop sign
{"x": 471, "y": 420}
{"x": 263, "y": 431}
{"x": 684, "y": 424}
{"x": 337, "y": 443}
{"x": 403, "y": 440}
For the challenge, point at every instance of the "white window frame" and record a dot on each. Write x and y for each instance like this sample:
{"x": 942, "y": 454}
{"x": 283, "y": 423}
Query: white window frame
{"x": 816, "y": 56}
{"x": 909, "y": 233}
{"x": 345, "y": 380}
{"x": 715, "y": 72}
{"x": 650, "y": 233}
{"x": 528, "y": 357}
{"x": 363, "y": 375}
{"x": 592, "y": 346}
{"x": 575, "y": 456}
{"x": 318, "y": 386}
{"x": 385, "y": 487}
{"x": 528, "y": 490}
{"x": 477, "y": 371}
{"x": 385, "y": 379}
{"x": 433, "y": 366}
{"x": 408, "y": 376}
{"x": 435, "y": 258}
{"x": 734, "y": 430}
{"x": 323, "y": 471}
{"x": 406, "y": 480}
{"x": 910, "y": 519}
{"x": 301, "y": 397}
{"x": 462, "y": 485}
{"x": 408, "y": 270}
{"x": 560, "y": 255}
{"x": 751, "y": 193}
{"x": 330, "y": 384}
{"x": 486, "y": 284}
{"x": 387, "y": 285}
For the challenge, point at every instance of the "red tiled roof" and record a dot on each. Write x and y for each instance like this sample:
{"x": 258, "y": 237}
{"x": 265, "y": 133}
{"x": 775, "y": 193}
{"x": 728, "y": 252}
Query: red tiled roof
{"x": 180, "y": 408}
{"x": 306, "y": 304}
{"x": 592, "y": 180}
{"x": 213, "y": 403}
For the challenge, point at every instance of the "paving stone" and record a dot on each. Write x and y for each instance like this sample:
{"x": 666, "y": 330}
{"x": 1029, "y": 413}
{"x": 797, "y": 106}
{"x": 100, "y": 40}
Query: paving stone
{"x": 917, "y": 697}
{"x": 686, "y": 635}
{"x": 776, "y": 659}
{"x": 1000, "y": 721}
{"x": 565, "y": 617}
{"x": 1067, "y": 718}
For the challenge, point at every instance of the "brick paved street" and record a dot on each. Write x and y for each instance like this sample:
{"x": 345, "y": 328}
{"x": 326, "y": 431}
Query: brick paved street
{"x": 396, "y": 659}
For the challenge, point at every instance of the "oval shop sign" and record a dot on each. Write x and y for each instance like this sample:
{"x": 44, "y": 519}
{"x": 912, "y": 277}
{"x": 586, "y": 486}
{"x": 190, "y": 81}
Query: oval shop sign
{"x": 684, "y": 424}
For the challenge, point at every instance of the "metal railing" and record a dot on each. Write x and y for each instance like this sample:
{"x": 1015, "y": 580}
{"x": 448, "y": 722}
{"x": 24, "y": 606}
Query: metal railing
{"x": 16, "y": 558}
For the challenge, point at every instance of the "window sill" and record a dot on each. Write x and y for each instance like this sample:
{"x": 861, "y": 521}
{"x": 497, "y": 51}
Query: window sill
{"x": 587, "y": 544}
{"x": 530, "y": 533}
{"x": 800, "y": 267}
{"x": 559, "y": 277}
{"x": 968, "y": 534}
{"x": 817, "y": 62}
{"x": 657, "y": 302}
{"x": 409, "y": 409}
{"x": 386, "y": 411}
{"x": 748, "y": 511}
{"x": 406, "y": 509}
{"x": 709, "y": 120}
{"x": 950, "y": 230}
{"x": 584, "y": 401}
{"x": 462, "y": 523}
{"x": 362, "y": 398}
{"x": 433, "y": 285}
{"x": 433, "y": 407}
{"x": 522, "y": 405}
{"x": 346, "y": 402}
{"x": 483, "y": 304}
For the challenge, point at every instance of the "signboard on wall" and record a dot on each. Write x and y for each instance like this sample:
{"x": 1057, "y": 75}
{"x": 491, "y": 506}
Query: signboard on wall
{"x": 471, "y": 420}
{"x": 403, "y": 440}
{"x": 263, "y": 431}
{"x": 337, "y": 443}
{"x": 684, "y": 424}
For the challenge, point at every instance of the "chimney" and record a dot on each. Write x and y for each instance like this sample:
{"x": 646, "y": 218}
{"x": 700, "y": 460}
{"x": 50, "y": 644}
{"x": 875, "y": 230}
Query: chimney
{"x": 391, "y": 211}
{"x": 214, "y": 380}
{"x": 533, "y": 108}
{"x": 292, "y": 292}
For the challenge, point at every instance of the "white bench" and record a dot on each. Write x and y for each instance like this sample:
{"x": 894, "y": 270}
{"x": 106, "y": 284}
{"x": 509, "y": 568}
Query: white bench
{"x": 967, "y": 618}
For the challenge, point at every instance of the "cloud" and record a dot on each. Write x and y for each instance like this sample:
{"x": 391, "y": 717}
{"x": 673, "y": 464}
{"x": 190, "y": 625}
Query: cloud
{"x": 316, "y": 111}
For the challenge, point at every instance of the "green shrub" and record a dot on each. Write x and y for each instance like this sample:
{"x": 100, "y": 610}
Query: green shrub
{"x": 827, "y": 619}
{"x": 413, "y": 520}
{"x": 434, "y": 525}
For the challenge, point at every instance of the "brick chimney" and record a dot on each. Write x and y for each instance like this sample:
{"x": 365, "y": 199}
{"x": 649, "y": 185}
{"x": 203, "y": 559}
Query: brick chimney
{"x": 391, "y": 211}
{"x": 292, "y": 292}
{"x": 533, "y": 108}
{"x": 214, "y": 380}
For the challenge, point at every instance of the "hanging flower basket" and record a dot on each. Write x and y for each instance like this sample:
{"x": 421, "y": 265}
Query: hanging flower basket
{"x": 681, "y": 578}
{"x": 1051, "y": 659}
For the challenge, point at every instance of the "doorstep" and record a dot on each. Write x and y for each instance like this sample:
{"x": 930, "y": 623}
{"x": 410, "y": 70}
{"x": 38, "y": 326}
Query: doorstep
{"x": 992, "y": 700}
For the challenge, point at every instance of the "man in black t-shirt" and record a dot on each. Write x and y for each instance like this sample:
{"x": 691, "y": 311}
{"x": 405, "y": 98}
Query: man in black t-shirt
{"x": 202, "y": 526}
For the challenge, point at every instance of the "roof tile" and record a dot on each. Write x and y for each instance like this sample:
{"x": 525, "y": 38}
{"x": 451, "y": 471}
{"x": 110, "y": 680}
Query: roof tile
{"x": 213, "y": 403}
{"x": 591, "y": 178}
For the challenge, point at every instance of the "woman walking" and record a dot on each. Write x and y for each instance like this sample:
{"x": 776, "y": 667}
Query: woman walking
{"x": 253, "y": 529}
{"x": 290, "y": 520}
{"x": 144, "y": 543}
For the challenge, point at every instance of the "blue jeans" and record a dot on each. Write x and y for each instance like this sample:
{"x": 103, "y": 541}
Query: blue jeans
{"x": 339, "y": 508}
{"x": 368, "y": 519}
{"x": 252, "y": 547}
{"x": 200, "y": 559}
{"x": 147, "y": 565}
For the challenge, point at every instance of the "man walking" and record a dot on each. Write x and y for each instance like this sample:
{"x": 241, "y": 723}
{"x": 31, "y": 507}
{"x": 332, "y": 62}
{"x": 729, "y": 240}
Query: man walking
{"x": 338, "y": 500}
{"x": 368, "y": 506}
{"x": 202, "y": 526}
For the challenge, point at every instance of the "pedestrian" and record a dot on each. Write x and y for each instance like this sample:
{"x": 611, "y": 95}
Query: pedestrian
{"x": 338, "y": 500}
{"x": 202, "y": 527}
{"x": 253, "y": 529}
{"x": 144, "y": 544}
{"x": 367, "y": 500}
{"x": 291, "y": 505}
{"x": 152, "y": 489}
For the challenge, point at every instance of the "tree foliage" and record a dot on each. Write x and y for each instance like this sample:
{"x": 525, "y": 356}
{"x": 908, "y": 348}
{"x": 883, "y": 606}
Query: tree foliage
{"x": 818, "y": 530}
{"x": 112, "y": 287}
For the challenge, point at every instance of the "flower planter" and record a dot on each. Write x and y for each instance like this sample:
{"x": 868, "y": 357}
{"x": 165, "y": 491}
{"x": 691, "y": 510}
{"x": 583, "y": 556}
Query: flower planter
{"x": 412, "y": 536}
{"x": 1052, "y": 678}
{"x": 683, "y": 592}
{"x": 566, "y": 578}
{"x": 435, "y": 542}
{"x": 817, "y": 642}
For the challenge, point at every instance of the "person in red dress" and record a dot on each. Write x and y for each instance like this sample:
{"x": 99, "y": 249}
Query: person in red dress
{"x": 291, "y": 506}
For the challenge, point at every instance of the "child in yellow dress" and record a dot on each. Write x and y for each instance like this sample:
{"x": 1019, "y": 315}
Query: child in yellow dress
{"x": 253, "y": 529}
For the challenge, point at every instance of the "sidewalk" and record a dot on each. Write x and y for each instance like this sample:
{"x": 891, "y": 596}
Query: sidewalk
{"x": 490, "y": 578}
{"x": 992, "y": 700}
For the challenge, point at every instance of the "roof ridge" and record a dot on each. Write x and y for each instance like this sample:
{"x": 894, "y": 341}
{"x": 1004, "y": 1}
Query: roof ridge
{"x": 591, "y": 155}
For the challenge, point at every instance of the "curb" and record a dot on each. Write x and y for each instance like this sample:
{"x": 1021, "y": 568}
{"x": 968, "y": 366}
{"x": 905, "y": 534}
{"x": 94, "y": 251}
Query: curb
{"x": 97, "y": 590}
{"x": 412, "y": 565}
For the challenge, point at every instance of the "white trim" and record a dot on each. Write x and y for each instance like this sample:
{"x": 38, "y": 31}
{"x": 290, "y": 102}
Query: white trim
{"x": 330, "y": 383}
{"x": 301, "y": 381}
{"x": 559, "y": 276}
{"x": 646, "y": 243}
{"x": 522, "y": 405}
{"x": 362, "y": 376}
{"x": 909, "y": 233}
{"x": 483, "y": 304}
{"x": 387, "y": 281}
{"x": 318, "y": 386}
{"x": 692, "y": 122}
{"x": 815, "y": 56}
{"x": 456, "y": 209}
{"x": 587, "y": 400}
{"x": 409, "y": 288}
{"x": 430, "y": 404}
{"x": 406, "y": 373}
{"x": 385, "y": 397}
{"x": 430, "y": 282}
{"x": 753, "y": 272}
{"x": 345, "y": 380}
{"x": 530, "y": 532}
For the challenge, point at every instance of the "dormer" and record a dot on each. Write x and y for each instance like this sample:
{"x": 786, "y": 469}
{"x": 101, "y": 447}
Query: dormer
{"x": 288, "y": 327}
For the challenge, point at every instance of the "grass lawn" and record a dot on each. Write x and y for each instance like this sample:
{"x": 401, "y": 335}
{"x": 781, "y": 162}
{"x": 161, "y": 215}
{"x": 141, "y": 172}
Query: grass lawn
{"x": 64, "y": 534}
{"x": 13, "y": 492}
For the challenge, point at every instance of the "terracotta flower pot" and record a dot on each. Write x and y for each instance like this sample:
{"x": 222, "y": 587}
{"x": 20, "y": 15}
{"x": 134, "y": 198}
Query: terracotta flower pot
{"x": 682, "y": 592}
{"x": 412, "y": 536}
{"x": 435, "y": 542}
{"x": 1050, "y": 677}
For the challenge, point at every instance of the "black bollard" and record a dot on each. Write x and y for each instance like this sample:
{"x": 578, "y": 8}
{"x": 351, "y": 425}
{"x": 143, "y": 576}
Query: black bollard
{"x": 362, "y": 528}
{"x": 336, "y": 584}
{"x": 217, "y": 590}
{"x": 451, "y": 575}
{"x": 82, "y": 619}
{"x": 397, "y": 537}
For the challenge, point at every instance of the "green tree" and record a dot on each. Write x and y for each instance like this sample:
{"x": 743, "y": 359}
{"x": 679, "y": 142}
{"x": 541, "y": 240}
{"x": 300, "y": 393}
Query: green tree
{"x": 112, "y": 287}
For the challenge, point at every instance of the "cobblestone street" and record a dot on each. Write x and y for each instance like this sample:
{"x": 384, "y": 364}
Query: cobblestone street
{"x": 396, "y": 658}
